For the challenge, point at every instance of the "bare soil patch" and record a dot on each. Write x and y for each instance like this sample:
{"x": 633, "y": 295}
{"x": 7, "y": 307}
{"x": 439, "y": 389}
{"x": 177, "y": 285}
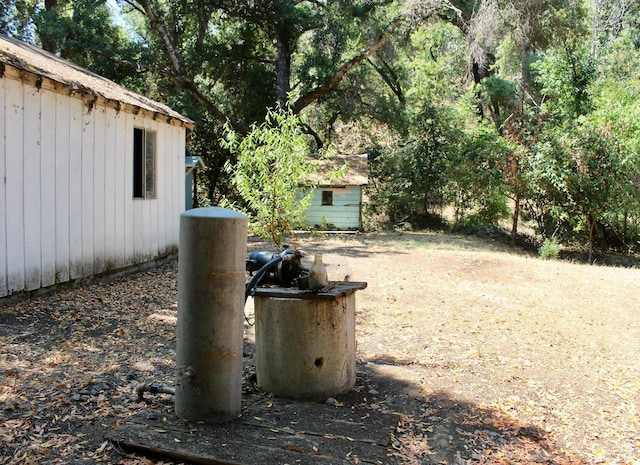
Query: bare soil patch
{"x": 488, "y": 356}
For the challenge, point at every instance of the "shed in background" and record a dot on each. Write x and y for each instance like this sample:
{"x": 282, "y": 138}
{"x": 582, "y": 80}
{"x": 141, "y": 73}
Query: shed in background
{"x": 337, "y": 204}
{"x": 93, "y": 172}
{"x": 191, "y": 164}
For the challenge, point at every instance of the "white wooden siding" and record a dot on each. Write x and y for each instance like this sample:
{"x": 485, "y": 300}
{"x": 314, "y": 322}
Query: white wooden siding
{"x": 120, "y": 195}
{"x": 99, "y": 183}
{"x": 109, "y": 190}
{"x": 48, "y": 189}
{"x": 62, "y": 200}
{"x": 31, "y": 169}
{"x": 3, "y": 208}
{"x": 76, "y": 107}
{"x": 86, "y": 190}
{"x": 344, "y": 214}
{"x": 66, "y": 207}
{"x": 13, "y": 188}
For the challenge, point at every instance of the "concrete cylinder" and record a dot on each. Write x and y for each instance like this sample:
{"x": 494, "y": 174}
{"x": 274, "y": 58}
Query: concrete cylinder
{"x": 211, "y": 278}
{"x": 305, "y": 348}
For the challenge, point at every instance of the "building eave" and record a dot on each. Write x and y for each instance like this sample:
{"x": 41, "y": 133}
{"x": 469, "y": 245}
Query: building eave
{"x": 35, "y": 65}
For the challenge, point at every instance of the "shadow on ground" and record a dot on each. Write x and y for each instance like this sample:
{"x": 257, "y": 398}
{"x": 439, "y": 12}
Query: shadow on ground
{"x": 436, "y": 428}
{"x": 385, "y": 419}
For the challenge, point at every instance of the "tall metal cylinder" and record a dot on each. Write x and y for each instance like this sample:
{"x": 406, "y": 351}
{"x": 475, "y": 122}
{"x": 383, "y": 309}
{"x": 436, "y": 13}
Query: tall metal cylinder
{"x": 211, "y": 278}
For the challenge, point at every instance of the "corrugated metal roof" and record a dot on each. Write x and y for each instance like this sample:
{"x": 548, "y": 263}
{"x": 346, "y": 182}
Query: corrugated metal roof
{"x": 31, "y": 59}
{"x": 358, "y": 174}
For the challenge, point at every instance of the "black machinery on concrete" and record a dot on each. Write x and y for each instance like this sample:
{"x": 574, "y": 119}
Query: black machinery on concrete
{"x": 284, "y": 269}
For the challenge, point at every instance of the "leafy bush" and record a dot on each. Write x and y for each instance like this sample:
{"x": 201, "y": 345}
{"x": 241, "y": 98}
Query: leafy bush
{"x": 272, "y": 164}
{"x": 407, "y": 180}
{"x": 549, "y": 250}
{"x": 475, "y": 184}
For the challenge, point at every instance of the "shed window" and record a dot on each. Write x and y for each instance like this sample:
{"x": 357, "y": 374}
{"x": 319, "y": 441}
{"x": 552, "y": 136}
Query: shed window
{"x": 327, "y": 197}
{"x": 144, "y": 164}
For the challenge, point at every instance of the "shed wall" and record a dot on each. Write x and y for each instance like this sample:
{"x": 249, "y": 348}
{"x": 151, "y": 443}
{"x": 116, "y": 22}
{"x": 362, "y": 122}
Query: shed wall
{"x": 344, "y": 214}
{"x": 66, "y": 208}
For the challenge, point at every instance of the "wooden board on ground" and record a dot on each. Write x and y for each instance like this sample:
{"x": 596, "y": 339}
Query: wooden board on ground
{"x": 269, "y": 432}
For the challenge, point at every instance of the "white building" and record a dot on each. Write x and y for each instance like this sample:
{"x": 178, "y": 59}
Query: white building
{"x": 93, "y": 172}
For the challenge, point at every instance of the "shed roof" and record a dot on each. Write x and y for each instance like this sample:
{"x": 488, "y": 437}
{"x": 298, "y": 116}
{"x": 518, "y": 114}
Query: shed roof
{"x": 357, "y": 175}
{"x": 31, "y": 59}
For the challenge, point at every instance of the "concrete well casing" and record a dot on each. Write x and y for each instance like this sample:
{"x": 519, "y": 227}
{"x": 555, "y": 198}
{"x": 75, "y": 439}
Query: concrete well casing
{"x": 305, "y": 348}
{"x": 211, "y": 278}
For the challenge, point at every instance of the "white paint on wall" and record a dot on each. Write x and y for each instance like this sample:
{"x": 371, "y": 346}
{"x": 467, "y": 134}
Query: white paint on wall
{"x": 66, "y": 202}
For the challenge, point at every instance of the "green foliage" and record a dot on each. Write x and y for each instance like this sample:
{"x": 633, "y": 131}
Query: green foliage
{"x": 616, "y": 94}
{"x": 549, "y": 250}
{"x": 408, "y": 179}
{"x": 565, "y": 76}
{"x": 581, "y": 165}
{"x": 501, "y": 96}
{"x": 509, "y": 57}
{"x": 475, "y": 178}
{"x": 579, "y": 172}
{"x": 213, "y": 180}
{"x": 271, "y": 165}
{"x": 616, "y": 97}
{"x": 439, "y": 64}
{"x": 81, "y": 31}
{"x": 16, "y": 19}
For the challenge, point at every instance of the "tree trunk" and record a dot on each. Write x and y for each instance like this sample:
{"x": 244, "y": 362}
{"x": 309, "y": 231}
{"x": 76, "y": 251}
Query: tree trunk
{"x": 514, "y": 224}
{"x": 195, "y": 200}
{"x": 591, "y": 224}
{"x": 479, "y": 72}
{"x": 48, "y": 42}
{"x": 283, "y": 66}
{"x": 285, "y": 41}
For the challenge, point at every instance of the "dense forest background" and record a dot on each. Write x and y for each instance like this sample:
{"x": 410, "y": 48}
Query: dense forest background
{"x": 491, "y": 110}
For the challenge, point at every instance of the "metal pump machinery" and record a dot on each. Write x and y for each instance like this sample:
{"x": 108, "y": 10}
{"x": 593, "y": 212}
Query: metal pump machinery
{"x": 284, "y": 269}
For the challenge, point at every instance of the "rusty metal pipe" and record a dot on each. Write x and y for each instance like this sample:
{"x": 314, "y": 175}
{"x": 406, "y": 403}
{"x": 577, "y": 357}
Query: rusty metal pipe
{"x": 153, "y": 388}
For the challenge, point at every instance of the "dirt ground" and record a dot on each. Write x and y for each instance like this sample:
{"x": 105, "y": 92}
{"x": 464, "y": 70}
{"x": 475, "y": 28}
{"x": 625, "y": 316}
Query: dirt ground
{"x": 488, "y": 356}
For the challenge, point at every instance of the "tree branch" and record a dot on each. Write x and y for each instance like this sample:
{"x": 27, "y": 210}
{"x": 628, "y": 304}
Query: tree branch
{"x": 389, "y": 76}
{"x": 309, "y": 130}
{"x": 162, "y": 32}
{"x": 176, "y": 76}
{"x": 133, "y": 5}
{"x": 190, "y": 87}
{"x": 337, "y": 77}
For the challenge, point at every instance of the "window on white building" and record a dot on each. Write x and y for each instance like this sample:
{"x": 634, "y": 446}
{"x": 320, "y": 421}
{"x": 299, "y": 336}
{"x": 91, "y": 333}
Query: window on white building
{"x": 144, "y": 164}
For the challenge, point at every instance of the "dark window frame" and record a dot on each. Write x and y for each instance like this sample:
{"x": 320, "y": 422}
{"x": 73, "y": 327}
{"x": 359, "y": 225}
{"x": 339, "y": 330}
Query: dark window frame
{"x": 327, "y": 198}
{"x": 144, "y": 164}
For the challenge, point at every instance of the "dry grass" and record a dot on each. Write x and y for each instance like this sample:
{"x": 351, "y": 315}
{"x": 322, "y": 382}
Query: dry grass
{"x": 547, "y": 343}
